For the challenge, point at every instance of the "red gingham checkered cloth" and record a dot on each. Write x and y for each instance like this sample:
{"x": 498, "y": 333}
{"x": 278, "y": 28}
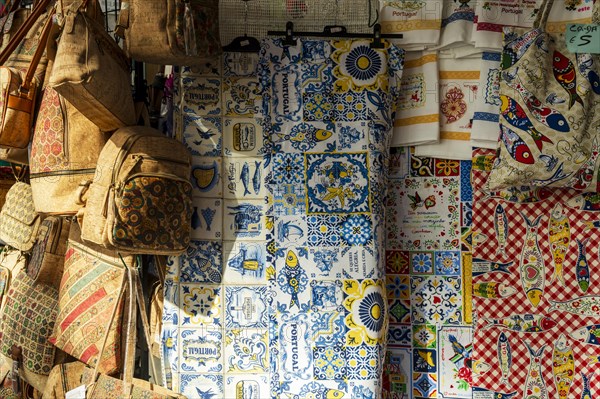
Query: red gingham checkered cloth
{"x": 586, "y": 356}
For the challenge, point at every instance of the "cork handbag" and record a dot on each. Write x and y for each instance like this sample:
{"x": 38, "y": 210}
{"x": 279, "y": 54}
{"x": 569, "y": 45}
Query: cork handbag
{"x": 141, "y": 199}
{"x": 64, "y": 153}
{"x": 18, "y": 100}
{"x": 184, "y": 32}
{"x": 91, "y": 293}
{"x": 91, "y": 71}
{"x": 19, "y": 222}
{"x": 48, "y": 254}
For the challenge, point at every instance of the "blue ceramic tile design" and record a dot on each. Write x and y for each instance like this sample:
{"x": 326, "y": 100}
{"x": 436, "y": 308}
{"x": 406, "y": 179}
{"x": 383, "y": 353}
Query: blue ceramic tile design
{"x": 363, "y": 362}
{"x": 436, "y": 299}
{"x": 329, "y": 362}
{"x": 246, "y": 307}
{"x": 424, "y": 360}
{"x": 447, "y": 263}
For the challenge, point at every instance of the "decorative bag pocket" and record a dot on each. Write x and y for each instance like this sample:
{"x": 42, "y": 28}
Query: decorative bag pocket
{"x": 48, "y": 253}
{"x": 152, "y": 212}
{"x": 19, "y": 223}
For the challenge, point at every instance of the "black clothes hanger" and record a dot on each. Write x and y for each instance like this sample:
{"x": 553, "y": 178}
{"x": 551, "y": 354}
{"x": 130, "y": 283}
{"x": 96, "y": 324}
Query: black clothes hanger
{"x": 335, "y": 31}
{"x": 245, "y": 43}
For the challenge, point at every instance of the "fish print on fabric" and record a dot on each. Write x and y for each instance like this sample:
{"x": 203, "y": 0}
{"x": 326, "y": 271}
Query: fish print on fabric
{"x": 586, "y": 392}
{"x": 514, "y": 114}
{"x": 493, "y": 290}
{"x": 501, "y": 228}
{"x": 563, "y": 366}
{"x": 504, "y": 358}
{"x": 582, "y": 269}
{"x": 585, "y": 202}
{"x": 564, "y": 73}
{"x": 293, "y": 278}
{"x": 535, "y": 387}
{"x": 513, "y": 51}
{"x": 516, "y": 147}
{"x": 546, "y": 115}
{"x": 527, "y": 323}
{"x": 532, "y": 268}
{"x": 521, "y": 195}
{"x": 585, "y": 61}
{"x": 483, "y": 266}
{"x": 583, "y": 177}
{"x": 583, "y": 306}
{"x": 587, "y": 335}
{"x": 559, "y": 236}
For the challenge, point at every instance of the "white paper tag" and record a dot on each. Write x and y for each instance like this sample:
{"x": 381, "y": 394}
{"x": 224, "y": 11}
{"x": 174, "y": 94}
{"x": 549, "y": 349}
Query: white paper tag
{"x": 77, "y": 393}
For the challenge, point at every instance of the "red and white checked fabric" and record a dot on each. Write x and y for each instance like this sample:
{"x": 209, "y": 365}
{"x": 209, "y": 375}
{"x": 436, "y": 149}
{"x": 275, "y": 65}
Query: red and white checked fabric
{"x": 485, "y": 344}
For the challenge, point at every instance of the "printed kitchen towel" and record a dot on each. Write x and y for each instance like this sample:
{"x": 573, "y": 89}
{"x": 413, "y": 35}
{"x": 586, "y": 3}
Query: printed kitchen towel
{"x": 486, "y": 127}
{"x": 458, "y": 91}
{"x": 417, "y": 118}
{"x": 492, "y": 16}
{"x": 418, "y": 20}
{"x": 536, "y": 290}
{"x": 328, "y": 108}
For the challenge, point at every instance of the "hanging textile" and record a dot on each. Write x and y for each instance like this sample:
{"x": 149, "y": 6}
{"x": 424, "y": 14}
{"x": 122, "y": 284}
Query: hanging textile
{"x": 329, "y": 114}
{"x": 216, "y": 297}
{"x": 417, "y": 118}
{"x": 428, "y": 257}
{"x": 458, "y": 91}
{"x": 486, "y": 128}
{"x": 492, "y": 16}
{"x": 457, "y": 28}
{"x": 536, "y": 295}
{"x": 419, "y": 22}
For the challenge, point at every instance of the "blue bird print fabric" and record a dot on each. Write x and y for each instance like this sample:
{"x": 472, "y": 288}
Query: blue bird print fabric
{"x": 328, "y": 109}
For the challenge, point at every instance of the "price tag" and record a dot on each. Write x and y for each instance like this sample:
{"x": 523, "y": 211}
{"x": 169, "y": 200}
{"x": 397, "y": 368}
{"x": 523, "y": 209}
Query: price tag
{"x": 77, "y": 393}
{"x": 583, "y": 38}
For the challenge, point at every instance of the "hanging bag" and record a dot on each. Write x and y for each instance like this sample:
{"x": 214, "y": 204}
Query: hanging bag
{"x": 141, "y": 199}
{"x": 184, "y": 32}
{"x": 48, "y": 254}
{"x": 101, "y": 386}
{"x": 91, "y": 71}
{"x": 549, "y": 124}
{"x": 19, "y": 222}
{"x": 91, "y": 293}
{"x": 18, "y": 100}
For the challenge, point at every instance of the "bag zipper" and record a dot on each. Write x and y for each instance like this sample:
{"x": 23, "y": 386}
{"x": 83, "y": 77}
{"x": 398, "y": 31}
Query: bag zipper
{"x": 63, "y": 172}
{"x": 63, "y": 111}
{"x": 153, "y": 174}
{"x": 159, "y": 159}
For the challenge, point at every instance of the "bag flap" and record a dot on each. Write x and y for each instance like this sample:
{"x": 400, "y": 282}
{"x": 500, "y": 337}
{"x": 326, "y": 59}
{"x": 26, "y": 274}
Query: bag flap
{"x": 19, "y": 204}
{"x": 10, "y": 81}
{"x": 96, "y": 251}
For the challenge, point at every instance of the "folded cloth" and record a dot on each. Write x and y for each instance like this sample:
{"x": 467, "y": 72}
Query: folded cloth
{"x": 419, "y": 21}
{"x": 491, "y": 16}
{"x": 458, "y": 87}
{"x": 417, "y": 118}
{"x": 487, "y": 107}
{"x": 457, "y": 25}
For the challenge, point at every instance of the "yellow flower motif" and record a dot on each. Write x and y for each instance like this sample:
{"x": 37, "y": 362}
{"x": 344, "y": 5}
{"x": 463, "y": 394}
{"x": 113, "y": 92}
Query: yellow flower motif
{"x": 447, "y": 167}
{"x": 359, "y": 67}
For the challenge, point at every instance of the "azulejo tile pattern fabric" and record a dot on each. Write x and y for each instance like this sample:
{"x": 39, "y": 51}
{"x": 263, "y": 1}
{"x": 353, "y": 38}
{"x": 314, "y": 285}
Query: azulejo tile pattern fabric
{"x": 428, "y": 229}
{"x": 215, "y": 334}
{"x": 328, "y": 115}
{"x": 282, "y": 292}
{"x": 536, "y": 250}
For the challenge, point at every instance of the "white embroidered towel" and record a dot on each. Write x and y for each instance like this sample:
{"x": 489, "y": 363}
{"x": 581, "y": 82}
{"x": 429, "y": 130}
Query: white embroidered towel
{"x": 417, "y": 117}
{"x": 487, "y": 107}
{"x": 491, "y": 16}
{"x": 419, "y": 22}
{"x": 458, "y": 89}
{"x": 457, "y": 24}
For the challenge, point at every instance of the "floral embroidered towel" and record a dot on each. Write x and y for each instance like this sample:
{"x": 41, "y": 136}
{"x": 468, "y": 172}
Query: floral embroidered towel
{"x": 417, "y": 118}
{"x": 419, "y": 21}
{"x": 458, "y": 90}
{"x": 486, "y": 129}
{"x": 536, "y": 293}
{"x": 329, "y": 111}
